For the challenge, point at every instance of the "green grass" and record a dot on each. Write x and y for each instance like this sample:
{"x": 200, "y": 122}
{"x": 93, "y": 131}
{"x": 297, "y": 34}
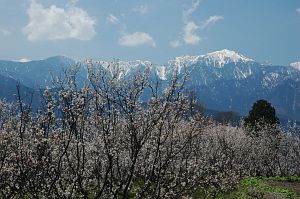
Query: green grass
{"x": 248, "y": 188}
{"x": 256, "y": 187}
{"x": 257, "y": 183}
{"x": 281, "y": 178}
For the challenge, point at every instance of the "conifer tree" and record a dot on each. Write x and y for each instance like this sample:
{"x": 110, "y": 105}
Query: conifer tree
{"x": 262, "y": 112}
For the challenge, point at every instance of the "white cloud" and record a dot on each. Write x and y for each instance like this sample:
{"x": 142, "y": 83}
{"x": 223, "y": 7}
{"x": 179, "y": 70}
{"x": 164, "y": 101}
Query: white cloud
{"x": 141, "y": 9}
{"x": 5, "y": 32}
{"x": 112, "y": 19}
{"x": 55, "y": 23}
{"x": 189, "y": 36}
{"x": 298, "y": 10}
{"x": 136, "y": 39}
{"x": 211, "y": 21}
{"x": 186, "y": 14}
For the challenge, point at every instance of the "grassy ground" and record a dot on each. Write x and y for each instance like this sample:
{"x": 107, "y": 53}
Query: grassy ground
{"x": 277, "y": 187}
{"x": 263, "y": 187}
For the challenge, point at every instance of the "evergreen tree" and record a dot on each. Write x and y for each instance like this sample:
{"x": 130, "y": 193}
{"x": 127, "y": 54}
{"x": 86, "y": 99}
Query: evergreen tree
{"x": 262, "y": 112}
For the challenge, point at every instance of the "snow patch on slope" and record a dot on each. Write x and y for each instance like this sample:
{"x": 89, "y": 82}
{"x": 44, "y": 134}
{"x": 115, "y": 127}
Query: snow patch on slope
{"x": 295, "y": 65}
{"x": 271, "y": 80}
{"x": 184, "y": 61}
{"x": 122, "y": 68}
{"x": 161, "y": 72}
{"x": 23, "y": 60}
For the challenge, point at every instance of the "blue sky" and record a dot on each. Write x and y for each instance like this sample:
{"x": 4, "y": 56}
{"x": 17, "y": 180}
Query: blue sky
{"x": 156, "y": 30}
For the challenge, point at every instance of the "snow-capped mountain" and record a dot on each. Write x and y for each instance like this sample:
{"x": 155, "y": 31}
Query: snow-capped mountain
{"x": 223, "y": 57}
{"x": 37, "y": 73}
{"x": 223, "y": 80}
{"x": 216, "y": 59}
{"x": 295, "y": 65}
{"x": 124, "y": 68}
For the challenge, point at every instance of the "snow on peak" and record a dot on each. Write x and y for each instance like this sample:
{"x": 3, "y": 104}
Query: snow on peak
{"x": 123, "y": 67}
{"x": 186, "y": 60}
{"x": 295, "y": 65}
{"x": 217, "y": 59}
{"x": 23, "y": 60}
{"x": 183, "y": 61}
{"x": 222, "y": 57}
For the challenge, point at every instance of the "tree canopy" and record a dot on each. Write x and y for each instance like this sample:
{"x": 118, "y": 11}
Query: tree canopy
{"x": 262, "y": 112}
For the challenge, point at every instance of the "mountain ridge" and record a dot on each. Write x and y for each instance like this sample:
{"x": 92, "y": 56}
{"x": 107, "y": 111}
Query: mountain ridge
{"x": 223, "y": 80}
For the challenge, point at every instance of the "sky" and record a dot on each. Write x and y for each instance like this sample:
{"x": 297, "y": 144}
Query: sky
{"x": 155, "y": 30}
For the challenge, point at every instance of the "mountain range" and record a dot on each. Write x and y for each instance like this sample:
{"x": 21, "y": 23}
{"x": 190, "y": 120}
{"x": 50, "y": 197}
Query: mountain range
{"x": 222, "y": 80}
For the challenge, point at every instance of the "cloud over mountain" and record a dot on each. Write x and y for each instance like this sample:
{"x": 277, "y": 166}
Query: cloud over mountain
{"x": 56, "y": 23}
{"x": 137, "y": 39}
{"x": 211, "y": 21}
{"x": 190, "y": 36}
